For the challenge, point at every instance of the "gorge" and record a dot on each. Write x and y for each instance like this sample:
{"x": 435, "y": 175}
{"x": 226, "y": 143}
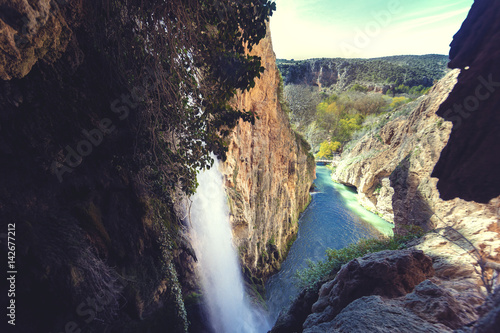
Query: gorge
{"x": 331, "y": 221}
{"x": 111, "y": 112}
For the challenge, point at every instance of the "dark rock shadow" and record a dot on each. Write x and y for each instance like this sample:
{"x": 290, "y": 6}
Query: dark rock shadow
{"x": 409, "y": 205}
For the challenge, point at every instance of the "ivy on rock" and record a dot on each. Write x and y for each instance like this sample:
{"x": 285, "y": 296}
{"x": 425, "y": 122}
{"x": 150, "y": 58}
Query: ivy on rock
{"x": 194, "y": 55}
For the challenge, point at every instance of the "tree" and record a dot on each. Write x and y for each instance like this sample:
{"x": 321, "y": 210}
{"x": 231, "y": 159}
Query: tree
{"x": 359, "y": 88}
{"x": 302, "y": 100}
{"x": 327, "y": 149}
{"x": 398, "y": 101}
{"x": 369, "y": 104}
{"x": 347, "y": 126}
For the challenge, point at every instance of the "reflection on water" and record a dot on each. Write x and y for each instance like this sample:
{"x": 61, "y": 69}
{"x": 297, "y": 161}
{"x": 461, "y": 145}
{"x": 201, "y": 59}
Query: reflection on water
{"x": 334, "y": 219}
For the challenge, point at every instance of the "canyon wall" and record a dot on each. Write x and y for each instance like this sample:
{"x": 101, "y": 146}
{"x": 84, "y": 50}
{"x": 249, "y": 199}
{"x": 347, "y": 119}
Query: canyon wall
{"x": 391, "y": 168}
{"x": 268, "y": 174}
{"x": 94, "y": 250}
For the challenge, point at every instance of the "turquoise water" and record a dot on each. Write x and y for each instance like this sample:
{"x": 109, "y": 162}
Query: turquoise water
{"x": 334, "y": 220}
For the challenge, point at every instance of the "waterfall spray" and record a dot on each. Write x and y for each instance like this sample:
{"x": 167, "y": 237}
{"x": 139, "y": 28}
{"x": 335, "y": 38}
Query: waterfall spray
{"x": 220, "y": 273}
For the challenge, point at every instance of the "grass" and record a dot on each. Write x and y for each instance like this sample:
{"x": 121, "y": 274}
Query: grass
{"x": 318, "y": 271}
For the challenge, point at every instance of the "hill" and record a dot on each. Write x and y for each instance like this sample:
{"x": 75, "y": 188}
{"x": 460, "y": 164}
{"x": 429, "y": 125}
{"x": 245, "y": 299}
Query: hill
{"x": 376, "y": 74}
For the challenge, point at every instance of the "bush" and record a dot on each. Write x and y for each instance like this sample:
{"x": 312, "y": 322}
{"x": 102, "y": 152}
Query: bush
{"x": 398, "y": 101}
{"x": 317, "y": 271}
{"x": 358, "y": 87}
{"x": 327, "y": 149}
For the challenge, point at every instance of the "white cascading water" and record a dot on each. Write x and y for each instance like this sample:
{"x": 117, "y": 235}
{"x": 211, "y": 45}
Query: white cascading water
{"x": 220, "y": 273}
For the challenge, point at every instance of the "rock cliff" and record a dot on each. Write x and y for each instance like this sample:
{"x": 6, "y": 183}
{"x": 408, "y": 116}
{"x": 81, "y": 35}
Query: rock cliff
{"x": 268, "y": 174}
{"x": 391, "y": 168}
{"x": 94, "y": 250}
{"x": 31, "y": 31}
{"x": 377, "y": 74}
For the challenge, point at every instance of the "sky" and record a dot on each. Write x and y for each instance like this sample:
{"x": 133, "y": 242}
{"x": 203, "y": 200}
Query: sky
{"x": 304, "y": 29}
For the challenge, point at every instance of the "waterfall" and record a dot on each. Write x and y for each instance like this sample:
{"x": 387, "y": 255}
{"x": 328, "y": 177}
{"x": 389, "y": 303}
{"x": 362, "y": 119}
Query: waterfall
{"x": 219, "y": 269}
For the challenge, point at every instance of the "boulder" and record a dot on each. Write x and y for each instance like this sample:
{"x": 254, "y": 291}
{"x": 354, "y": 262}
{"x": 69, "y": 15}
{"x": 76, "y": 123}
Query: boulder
{"x": 291, "y": 321}
{"x": 387, "y": 273}
{"x": 374, "y": 314}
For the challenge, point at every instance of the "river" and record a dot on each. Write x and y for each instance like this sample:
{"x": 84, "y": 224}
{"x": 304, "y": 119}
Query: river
{"x": 334, "y": 220}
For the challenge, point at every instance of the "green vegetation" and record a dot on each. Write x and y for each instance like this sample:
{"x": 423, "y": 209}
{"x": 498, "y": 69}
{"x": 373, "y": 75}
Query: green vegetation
{"x": 410, "y": 71}
{"x": 359, "y": 88}
{"x": 192, "y": 299}
{"x": 317, "y": 271}
{"x": 200, "y": 64}
{"x": 398, "y": 101}
{"x": 327, "y": 149}
{"x": 336, "y": 117}
{"x": 333, "y": 107}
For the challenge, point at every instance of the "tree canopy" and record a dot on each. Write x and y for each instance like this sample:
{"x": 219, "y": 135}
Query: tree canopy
{"x": 188, "y": 58}
{"x": 327, "y": 149}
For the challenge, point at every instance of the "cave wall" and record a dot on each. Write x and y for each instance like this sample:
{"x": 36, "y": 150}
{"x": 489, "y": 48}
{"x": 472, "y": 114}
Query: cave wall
{"x": 268, "y": 174}
{"x": 94, "y": 250}
{"x": 469, "y": 164}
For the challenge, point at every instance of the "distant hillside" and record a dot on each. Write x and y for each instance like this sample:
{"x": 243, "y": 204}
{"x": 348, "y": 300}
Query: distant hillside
{"x": 376, "y": 74}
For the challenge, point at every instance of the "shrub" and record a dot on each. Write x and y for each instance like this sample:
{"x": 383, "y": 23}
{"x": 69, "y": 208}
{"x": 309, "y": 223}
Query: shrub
{"x": 398, "y": 101}
{"x": 327, "y": 149}
{"x": 317, "y": 271}
{"x": 358, "y": 87}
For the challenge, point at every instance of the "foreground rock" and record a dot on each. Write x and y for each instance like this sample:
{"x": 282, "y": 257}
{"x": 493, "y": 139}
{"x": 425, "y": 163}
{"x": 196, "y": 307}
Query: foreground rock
{"x": 293, "y": 318}
{"x": 387, "y": 273}
{"x": 31, "y": 31}
{"x": 388, "y": 291}
{"x": 430, "y": 308}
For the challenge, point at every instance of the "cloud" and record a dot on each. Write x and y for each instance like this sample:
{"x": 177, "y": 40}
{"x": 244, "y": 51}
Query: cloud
{"x": 428, "y": 20}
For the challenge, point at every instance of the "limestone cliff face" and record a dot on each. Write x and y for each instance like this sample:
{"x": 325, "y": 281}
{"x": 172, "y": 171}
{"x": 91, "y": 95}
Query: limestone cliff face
{"x": 339, "y": 74}
{"x": 400, "y": 155}
{"x": 392, "y": 172}
{"x": 268, "y": 174}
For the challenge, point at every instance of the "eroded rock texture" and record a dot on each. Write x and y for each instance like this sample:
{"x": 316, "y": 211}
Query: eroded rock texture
{"x": 392, "y": 170}
{"x": 387, "y": 273}
{"x": 268, "y": 174}
{"x": 31, "y": 31}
